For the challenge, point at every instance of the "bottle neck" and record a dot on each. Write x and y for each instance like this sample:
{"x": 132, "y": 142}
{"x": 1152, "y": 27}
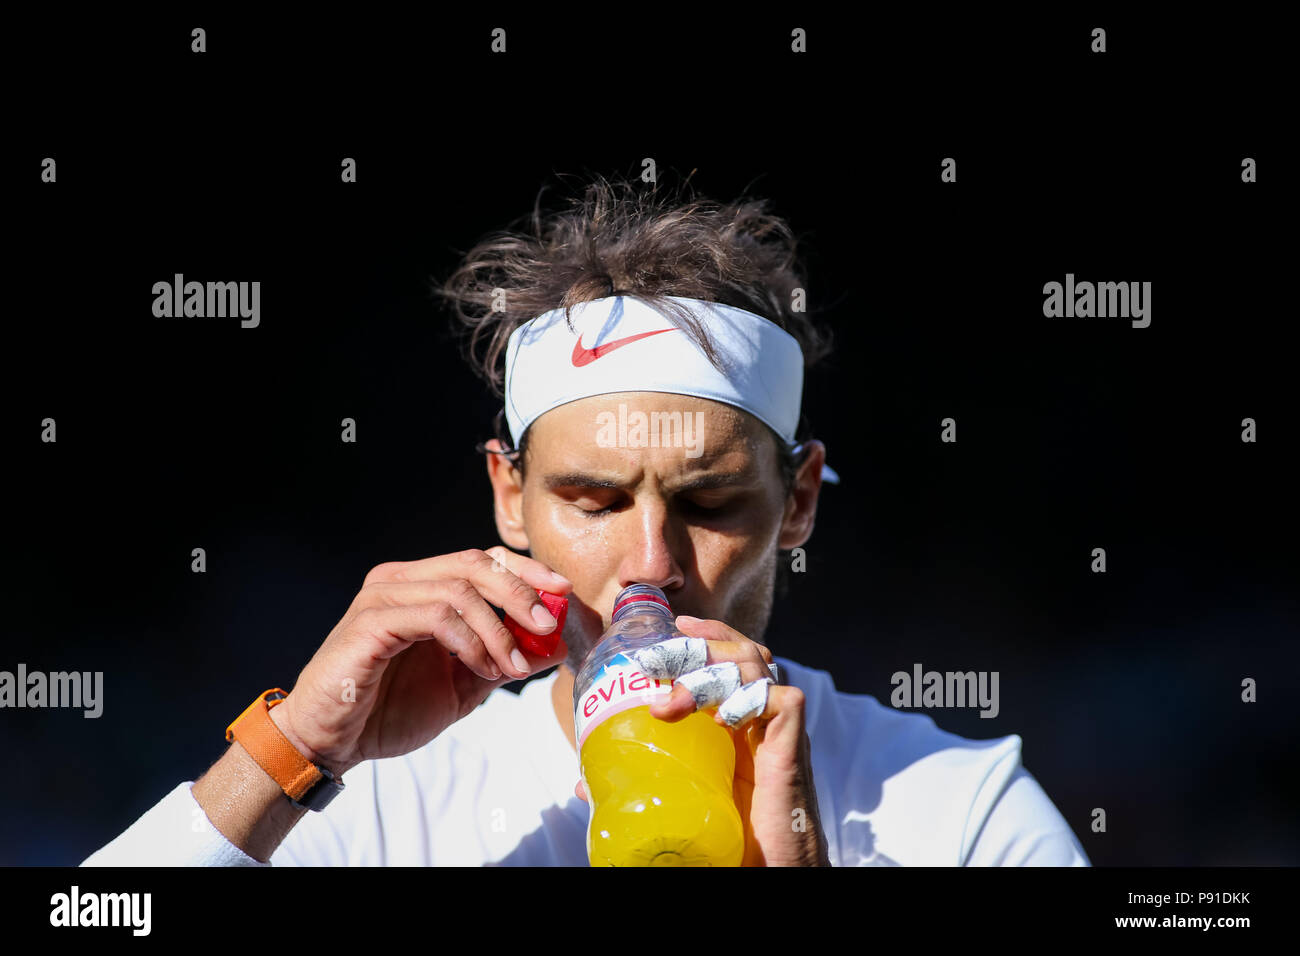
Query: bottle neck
{"x": 641, "y": 599}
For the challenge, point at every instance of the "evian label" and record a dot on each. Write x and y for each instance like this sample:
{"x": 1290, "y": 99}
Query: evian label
{"x": 618, "y": 686}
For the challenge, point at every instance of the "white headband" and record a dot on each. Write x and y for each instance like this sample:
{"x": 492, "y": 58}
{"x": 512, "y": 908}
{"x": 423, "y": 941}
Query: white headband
{"x": 620, "y": 344}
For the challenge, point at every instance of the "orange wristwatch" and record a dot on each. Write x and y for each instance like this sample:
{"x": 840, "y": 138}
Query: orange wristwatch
{"x": 307, "y": 785}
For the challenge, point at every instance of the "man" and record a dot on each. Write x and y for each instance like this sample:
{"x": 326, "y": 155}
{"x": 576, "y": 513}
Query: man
{"x": 650, "y": 356}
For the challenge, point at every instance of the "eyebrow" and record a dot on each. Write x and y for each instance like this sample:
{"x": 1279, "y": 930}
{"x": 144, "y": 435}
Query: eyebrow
{"x": 576, "y": 479}
{"x": 703, "y": 482}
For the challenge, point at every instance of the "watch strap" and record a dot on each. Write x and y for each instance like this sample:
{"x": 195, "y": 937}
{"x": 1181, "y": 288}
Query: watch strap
{"x": 305, "y": 784}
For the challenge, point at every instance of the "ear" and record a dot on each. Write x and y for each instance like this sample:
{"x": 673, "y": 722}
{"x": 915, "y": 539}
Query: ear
{"x": 508, "y": 495}
{"x": 801, "y": 505}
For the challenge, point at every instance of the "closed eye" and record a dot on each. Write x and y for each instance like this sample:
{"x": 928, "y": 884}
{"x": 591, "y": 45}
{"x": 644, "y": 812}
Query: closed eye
{"x": 690, "y": 507}
{"x": 708, "y": 509}
{"x": 589, "y": 505}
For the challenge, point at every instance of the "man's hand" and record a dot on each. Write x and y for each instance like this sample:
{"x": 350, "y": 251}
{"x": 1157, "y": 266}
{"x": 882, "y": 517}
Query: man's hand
{"x": 419, "y": 648}
{"x": 773, "y": 788}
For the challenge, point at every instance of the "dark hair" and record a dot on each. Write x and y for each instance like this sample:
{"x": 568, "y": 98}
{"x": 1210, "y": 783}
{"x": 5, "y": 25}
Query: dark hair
{"x": 621, "y": 237}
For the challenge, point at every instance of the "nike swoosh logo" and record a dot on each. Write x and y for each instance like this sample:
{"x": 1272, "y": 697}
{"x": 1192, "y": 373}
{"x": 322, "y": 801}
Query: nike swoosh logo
{"x": 583, "y": 356}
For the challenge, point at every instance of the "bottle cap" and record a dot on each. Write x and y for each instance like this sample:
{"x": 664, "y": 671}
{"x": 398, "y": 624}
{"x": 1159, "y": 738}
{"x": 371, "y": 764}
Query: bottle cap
{"x": 543, "y": 645}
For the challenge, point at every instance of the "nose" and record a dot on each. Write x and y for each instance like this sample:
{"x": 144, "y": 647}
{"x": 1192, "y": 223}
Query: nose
{"x": 651, "y": 556}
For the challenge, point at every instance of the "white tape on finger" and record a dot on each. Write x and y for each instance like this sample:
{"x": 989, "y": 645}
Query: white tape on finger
{"x": 669, "y": 659}
{"x": 745, "y": 704}
{"x": 712, "y": 685}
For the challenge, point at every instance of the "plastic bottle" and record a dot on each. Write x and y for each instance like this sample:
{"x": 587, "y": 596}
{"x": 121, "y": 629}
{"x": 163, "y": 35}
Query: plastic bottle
{"x": 661, "y": 793}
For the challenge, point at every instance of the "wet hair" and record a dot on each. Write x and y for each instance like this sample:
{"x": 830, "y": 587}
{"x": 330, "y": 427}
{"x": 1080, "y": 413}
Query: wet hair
{"x": 624, "y": 237}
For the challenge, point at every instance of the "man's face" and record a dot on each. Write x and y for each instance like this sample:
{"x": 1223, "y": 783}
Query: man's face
{"x": 700, "y": 517}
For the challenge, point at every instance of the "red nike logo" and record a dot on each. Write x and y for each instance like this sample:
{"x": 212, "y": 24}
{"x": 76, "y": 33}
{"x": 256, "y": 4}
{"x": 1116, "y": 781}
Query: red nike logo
{"x": 583, "y": 356}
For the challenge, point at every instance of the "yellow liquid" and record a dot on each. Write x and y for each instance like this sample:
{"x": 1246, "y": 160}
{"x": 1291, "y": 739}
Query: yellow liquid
{"x": 661, "y": 793}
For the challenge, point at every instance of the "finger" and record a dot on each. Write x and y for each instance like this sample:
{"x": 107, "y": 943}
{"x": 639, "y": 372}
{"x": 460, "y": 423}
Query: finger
{"x": 501, "y": 644}
{"x": 537, "y": 574}
{"x": 731, "y": 667}
{"x": 581, "y": 791}
{"x": 396, "y": 628}
{"x": 668, "y": 660}
{"x": 692, "y": 662}
{"x": 531, "y": 570}
{"x": 538, "y": 662}
{"x": 713, "y": 631}
{"x": 780, "y": 724}
{"x": 718, "y": 685}
{"x": 710, "y": 686}
{"x": 674, "y": 658}
{"x": 510, "y": 592}
{"x": 493, "y": 574}
{"x": 468, "y": 683}
{"x": 759, "y": 700}
{"x": 469, "y": 604}
{"x": 697, "y": 690}
{"x": 745, "y": 704}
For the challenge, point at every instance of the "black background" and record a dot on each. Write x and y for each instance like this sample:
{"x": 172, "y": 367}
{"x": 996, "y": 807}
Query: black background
{"x": 1072, "y": 434}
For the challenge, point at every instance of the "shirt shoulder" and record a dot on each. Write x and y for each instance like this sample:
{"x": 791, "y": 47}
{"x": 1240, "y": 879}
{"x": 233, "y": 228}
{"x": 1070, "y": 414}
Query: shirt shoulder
{"x": 893, "y": 788}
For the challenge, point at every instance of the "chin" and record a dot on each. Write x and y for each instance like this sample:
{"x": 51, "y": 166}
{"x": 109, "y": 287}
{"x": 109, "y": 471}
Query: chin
{"x": 582, "y": 630}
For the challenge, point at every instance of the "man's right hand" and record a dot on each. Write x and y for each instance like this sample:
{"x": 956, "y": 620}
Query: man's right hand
{"x": 418, "y": 649}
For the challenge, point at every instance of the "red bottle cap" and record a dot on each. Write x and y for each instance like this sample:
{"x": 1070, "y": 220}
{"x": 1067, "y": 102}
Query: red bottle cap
{"x": 542, "y": 645}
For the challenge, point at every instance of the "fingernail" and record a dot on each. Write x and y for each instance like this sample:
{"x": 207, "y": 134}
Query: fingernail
{"x": 560, "y": 578}
{"x": 686, "y": 619}
{"x": 494, "y": 671}
{"x": 520, "y": 662}
{"x": 542, "y": 616}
